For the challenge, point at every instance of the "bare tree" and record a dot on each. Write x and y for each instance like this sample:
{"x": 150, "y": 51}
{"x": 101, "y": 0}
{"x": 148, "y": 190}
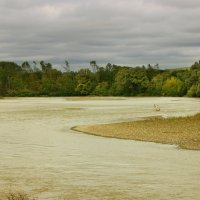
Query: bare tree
{"x": 66, "y": 67}
{"x": 94, "y": 65}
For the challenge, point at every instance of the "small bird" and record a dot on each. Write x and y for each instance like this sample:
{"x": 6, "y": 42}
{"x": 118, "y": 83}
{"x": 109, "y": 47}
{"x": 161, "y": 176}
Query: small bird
{"x": 156, "y": 107}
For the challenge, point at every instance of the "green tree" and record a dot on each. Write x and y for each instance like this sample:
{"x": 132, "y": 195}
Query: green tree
{"x": 173, "y": 87}
{"x": 49, "y": 81}
{"x": 131, "y": 81}
{"x": 152, "y": 71}
{"x": 67, "y": 83}
{"x": 194, "y": 91}
{"x": 156, "y": 84}
{"x": 196, "y": 66}
{"x": 8, "y": 70}
{"x": 85, "y": 82}
{"x": 45, "y": 66}
{"x": 102, "y": 89}
{"x": 26, "y": 67}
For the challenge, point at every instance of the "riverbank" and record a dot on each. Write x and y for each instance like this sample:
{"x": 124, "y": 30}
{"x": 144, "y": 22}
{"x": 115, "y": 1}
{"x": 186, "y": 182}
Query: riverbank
{"x": 181, "y": 131}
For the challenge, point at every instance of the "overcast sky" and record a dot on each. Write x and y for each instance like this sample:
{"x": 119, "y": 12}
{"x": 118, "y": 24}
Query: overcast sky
{"x": 128, "y": 32}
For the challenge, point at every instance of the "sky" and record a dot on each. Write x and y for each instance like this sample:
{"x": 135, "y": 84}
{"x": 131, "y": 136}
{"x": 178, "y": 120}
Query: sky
{"x": 124, "y": 32}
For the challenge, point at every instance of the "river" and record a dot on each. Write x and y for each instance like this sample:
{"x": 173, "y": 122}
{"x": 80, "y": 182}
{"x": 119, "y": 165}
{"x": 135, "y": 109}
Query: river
{"x": 40, "y": 155}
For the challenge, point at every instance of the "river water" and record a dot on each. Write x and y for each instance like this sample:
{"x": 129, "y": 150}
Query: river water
{"x": 39, "y": 153}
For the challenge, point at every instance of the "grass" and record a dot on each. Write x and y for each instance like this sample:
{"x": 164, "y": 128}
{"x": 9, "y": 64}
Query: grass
{"x": 181, "y": 131}
{"x": 16, "y": 196}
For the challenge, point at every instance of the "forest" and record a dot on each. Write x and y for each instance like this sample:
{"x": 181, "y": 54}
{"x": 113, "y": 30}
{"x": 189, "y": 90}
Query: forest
{"x": 42, "y": 79}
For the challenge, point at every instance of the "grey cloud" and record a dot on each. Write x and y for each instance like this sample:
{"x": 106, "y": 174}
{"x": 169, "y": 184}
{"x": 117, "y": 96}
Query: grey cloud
{"x": 180, "y": 4}
{"x": 129, "y": 32}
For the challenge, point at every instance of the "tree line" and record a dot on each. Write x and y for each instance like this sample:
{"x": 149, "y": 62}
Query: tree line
{"x": 42, "y": 79}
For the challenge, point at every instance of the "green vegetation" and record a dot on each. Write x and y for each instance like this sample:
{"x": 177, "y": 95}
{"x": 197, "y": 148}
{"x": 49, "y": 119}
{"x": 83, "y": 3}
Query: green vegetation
{"x": 42, "y": 79}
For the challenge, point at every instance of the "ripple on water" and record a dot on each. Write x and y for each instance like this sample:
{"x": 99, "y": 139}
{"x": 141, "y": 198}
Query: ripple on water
{"x": 40, "y": 154}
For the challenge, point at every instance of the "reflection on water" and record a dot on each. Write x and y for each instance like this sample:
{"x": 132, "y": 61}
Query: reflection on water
{"x": 40, "y": 154}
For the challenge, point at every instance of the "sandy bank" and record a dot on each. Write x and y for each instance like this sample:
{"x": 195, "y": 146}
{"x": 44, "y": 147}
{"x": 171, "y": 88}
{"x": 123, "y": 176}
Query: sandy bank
{"x": 181, "y": 131}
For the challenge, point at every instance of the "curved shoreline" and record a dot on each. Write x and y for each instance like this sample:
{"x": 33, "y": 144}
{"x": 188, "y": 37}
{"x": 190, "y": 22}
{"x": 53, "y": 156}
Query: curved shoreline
{"x": 181, "y": 131}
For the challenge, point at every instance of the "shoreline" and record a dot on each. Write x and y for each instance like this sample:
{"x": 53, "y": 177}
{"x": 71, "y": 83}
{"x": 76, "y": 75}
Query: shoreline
{"x": 181, "y": 131}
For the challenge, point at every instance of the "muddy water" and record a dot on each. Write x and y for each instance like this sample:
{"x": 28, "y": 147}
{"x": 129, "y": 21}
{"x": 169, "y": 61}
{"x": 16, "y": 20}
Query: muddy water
{"x": 39, "y": 153}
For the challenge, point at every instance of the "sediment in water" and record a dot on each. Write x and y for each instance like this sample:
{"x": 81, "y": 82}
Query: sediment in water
{"x": 181, "y": 131}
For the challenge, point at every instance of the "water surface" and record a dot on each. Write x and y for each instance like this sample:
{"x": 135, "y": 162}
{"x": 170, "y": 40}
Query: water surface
{"x": 41, "y": 155}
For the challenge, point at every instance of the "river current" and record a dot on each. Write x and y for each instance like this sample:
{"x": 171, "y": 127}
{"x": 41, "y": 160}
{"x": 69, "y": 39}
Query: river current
{"x": 40, "y": 155}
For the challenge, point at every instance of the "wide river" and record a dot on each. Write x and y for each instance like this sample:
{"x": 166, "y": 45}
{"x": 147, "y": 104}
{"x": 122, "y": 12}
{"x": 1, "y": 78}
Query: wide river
{"x": 40, "y": 155}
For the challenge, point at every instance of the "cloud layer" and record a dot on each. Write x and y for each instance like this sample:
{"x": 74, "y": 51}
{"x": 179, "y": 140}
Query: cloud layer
{"x": 129, "y": 32}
